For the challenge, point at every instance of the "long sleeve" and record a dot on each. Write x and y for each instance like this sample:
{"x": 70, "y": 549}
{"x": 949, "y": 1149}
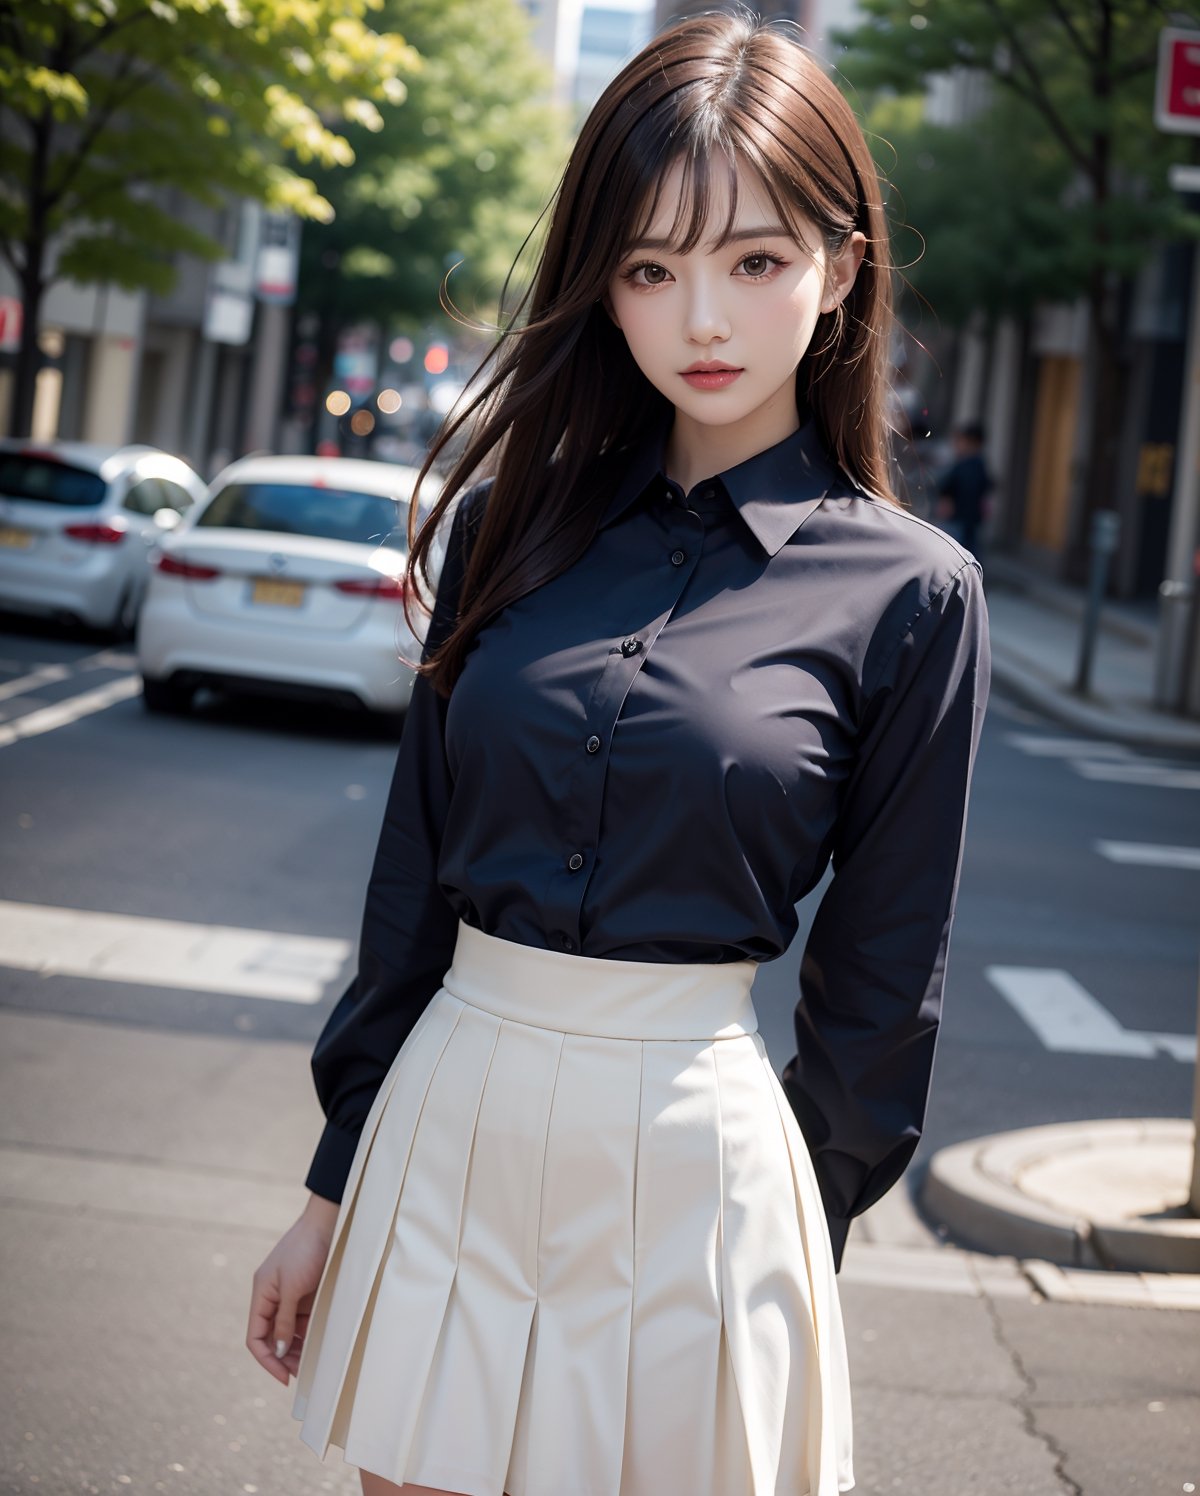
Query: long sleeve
{"x": 408, "y": 927}
{"x": 874, "y": 967}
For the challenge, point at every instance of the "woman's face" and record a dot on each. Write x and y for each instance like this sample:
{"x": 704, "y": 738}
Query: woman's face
{"x": 746, "y": 309}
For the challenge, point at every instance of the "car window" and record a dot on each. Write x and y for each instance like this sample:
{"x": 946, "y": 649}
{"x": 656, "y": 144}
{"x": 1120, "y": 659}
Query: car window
{"x": 175, "y": 497}
{"x": 300, "y": 509}
{"x": 145, "y": 497}
{"x": 48, "y": 481}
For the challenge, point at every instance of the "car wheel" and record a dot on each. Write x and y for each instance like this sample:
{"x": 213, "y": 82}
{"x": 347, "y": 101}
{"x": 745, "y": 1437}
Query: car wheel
{"x": 166, "y": 696}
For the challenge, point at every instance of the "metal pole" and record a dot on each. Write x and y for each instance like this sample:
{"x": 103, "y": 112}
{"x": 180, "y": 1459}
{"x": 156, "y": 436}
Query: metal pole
{"x": 1185, "y": 501}
{"x": 1194, "y": 1193}
{"x": 1102, "y": 542}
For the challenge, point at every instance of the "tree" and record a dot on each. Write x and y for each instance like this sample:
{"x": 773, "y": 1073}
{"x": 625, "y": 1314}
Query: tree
{"x": 103, "y": 102}
{"x": 458, "y": 178}
{"x": 1072, "y": 116}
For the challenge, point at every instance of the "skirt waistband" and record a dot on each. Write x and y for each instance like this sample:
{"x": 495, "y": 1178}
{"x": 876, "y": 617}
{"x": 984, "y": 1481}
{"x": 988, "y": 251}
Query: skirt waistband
{"x": 602, "y": 998}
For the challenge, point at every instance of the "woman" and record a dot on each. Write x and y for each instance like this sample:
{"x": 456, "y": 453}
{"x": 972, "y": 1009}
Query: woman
{"x": 686, "y": 648}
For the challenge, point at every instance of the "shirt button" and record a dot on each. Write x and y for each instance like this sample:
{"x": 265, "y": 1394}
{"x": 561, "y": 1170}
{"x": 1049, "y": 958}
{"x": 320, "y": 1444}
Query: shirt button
{"x": 678, "y": 558}
{"x": 630, "y": 646}
{"x": 566, "y": 942}
{"x": 593, "y": 744}
{"x": 575, "y": 862}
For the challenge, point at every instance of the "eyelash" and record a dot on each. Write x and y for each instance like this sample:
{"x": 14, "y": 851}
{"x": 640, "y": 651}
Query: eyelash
{"x": 757, "y": 254}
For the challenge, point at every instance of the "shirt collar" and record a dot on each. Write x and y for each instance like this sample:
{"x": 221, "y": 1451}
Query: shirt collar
{"x": 774, "y": 492}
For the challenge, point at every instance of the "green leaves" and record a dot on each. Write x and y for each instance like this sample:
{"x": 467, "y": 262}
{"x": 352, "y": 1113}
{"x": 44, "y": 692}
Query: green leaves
{"x": 458, "y": 175}
{"x": 209, "y": 97}
{"x": 1018, "y": 141}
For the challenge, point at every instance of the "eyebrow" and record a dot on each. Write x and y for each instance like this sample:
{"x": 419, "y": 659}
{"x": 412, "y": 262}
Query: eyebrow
{"x": 762, "y": 231}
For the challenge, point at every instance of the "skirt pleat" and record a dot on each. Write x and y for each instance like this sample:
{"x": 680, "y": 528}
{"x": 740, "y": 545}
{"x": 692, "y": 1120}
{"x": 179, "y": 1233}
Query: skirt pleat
{"x": 573, "y": 1264}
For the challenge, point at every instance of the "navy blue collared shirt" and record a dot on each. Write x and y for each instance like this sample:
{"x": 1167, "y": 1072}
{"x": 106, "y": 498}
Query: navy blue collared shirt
{"x": 654, "y": 757}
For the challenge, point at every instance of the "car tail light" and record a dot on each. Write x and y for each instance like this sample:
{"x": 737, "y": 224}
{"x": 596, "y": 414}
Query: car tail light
{"x": 95, "y": 534}
{"x": 389, "y": 588}
{"x": 173, "y": 567}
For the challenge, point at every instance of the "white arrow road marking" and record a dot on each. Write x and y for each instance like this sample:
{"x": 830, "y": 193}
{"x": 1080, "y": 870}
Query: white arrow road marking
{"x": 1068, "y": 1019}
{"x": 47, "y": 718}
{"x": 1148, "y": 854}
{"x": 169, "y": 953}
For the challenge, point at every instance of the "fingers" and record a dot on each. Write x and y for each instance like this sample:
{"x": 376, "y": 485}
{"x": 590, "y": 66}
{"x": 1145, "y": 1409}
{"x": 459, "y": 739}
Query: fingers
{"x": 264, "y": 1329}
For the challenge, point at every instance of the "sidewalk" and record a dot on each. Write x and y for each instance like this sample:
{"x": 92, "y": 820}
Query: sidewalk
{"x": 1072, "y": 1201}
{"x": 1036, "y": 627}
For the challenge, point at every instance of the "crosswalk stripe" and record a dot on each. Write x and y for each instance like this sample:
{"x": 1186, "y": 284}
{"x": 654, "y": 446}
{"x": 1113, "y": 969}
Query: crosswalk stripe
{"x": 1167, "y": 776}
{"x": 169, "y": 953}
{"x": 1041, "y": 747}
{"x": 1069, "y": 1020}
{"x": 1148, "y": 854}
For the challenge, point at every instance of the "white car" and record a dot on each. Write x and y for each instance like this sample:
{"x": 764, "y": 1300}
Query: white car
{"x": 286, "y": 580}
{"x": 78, "y": 522}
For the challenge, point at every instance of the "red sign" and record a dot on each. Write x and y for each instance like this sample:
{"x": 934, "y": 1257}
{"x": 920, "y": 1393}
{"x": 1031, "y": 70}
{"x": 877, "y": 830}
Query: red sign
{"x": 10, "y": 323}
{"x": 1177, "y": 98}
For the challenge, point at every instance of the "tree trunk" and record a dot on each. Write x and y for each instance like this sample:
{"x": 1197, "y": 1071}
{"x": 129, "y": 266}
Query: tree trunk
{"x": 20, "y": 413}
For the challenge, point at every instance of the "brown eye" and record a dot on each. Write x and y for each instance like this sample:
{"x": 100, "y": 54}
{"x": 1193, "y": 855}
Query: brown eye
{"x": 655, "y": 274}
{"x": 756, "y": 265}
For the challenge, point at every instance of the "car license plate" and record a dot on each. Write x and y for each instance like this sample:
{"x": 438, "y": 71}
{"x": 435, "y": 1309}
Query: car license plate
{"x": 20, "y": 539}
{"x": 280, "y": 594}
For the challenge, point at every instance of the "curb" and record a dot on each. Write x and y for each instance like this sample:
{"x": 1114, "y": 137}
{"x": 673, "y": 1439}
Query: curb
{"x": 1014, "y": 674}
{"x": 976, "y": 1189}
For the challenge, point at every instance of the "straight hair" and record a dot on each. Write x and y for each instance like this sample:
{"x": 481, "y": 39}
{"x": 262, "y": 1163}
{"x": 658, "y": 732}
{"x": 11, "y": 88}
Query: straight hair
{"x": 560, "y": 401}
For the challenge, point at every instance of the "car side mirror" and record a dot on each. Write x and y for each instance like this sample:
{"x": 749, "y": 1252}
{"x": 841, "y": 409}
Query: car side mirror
{"x": 166, "y": 519}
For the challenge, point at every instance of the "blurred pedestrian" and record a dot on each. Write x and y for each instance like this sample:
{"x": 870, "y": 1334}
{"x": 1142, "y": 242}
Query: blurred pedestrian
{"x": 964, "y": 489}
{"x": 686, "y": 647}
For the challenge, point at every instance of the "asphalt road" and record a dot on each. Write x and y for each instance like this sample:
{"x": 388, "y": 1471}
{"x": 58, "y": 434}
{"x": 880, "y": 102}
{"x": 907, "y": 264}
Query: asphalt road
{"x": 128, "y": 838}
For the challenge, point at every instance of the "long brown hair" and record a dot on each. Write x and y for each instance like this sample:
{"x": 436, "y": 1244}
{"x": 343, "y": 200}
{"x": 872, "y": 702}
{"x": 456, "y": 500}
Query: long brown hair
{"x": 564, "y": 398}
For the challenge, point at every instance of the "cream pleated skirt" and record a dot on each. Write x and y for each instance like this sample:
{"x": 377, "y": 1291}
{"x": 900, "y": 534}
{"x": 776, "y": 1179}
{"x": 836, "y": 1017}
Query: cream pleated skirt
{"x": 581, "y": 1250}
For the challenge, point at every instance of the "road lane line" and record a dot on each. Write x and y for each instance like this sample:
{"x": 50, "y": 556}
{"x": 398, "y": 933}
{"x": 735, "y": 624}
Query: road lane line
{"x": 63, "y": 713}
{"x": 169, "y": 953}
{"x": 1148, "y": 854}
{"x": 1064, "y": 1015}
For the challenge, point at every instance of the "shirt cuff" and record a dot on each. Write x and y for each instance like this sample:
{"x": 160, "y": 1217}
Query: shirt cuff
{"x": 331, "y": 1163}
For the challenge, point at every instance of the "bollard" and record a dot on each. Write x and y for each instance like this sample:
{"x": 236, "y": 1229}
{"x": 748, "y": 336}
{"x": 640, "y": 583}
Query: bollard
{"x": 1102, "y": 541}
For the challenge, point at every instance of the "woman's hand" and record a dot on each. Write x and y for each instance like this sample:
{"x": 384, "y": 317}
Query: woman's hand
{"x": 284, "y": 1286}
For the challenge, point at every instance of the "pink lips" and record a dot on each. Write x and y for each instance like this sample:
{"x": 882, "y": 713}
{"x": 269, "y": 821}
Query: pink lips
{"x": 711, "y": 376}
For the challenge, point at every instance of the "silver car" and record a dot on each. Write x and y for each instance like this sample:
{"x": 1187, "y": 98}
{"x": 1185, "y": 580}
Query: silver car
{"x": 78, "y": 521}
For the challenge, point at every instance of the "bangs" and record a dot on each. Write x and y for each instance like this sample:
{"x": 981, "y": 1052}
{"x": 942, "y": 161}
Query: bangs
{"x": 709, "y": 179}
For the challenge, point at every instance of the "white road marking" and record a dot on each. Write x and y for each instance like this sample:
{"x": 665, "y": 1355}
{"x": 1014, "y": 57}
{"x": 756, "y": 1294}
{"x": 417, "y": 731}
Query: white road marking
{"x": 1042, "y": 747}
{"x": 44, "y": 675}
{"x": 169, "y": 953}
{"x": 1148, "y": 854}
{"x": 1157, "y": 775}
{"x": 62, "y": 713}
{"x": 1069, "y": 1020}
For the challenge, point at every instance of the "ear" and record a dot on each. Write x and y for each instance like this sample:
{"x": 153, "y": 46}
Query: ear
{"x": 842, "y": 271}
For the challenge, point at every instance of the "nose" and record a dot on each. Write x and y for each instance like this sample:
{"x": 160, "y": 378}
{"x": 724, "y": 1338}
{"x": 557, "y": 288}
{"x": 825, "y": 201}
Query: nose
{"x": 706, "y": 320}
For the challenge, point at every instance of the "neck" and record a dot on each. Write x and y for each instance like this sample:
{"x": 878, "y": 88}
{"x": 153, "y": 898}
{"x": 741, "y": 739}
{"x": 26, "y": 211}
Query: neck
{"x": 696, "y": 451}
